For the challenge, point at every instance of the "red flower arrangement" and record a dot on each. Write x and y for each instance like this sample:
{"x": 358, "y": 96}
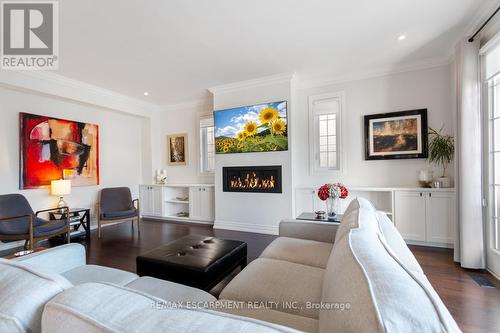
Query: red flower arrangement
{"x": 334, "y": 191}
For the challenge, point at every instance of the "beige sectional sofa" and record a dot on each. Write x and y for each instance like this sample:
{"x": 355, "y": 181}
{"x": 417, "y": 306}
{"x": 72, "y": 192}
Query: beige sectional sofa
{"x": 358, "y": 276}
{"x": 54, "y": 291}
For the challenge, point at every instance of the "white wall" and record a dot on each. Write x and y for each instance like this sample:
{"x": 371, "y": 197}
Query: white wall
{"x": 178, "y": 119}
{"x": 121, "y": 140}
{"x": 429, "y": 88}
{"x": 255, "y": 212}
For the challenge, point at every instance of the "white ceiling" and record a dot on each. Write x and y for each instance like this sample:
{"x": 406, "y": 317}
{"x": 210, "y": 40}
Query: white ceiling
{"x": 175, "y": 49}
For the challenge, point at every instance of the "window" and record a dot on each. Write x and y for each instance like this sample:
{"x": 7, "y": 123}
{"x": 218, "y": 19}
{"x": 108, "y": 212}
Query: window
{"x": 494, "y": 157}
{"x": 325, "y": 130}
{"x": 207, "y": 144}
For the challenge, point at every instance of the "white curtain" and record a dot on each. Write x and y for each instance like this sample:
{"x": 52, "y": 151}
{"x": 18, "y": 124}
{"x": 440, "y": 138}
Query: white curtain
{"x": 469, "y": 243}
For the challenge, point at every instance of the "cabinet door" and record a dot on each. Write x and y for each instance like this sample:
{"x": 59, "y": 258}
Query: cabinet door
{"x": 207, "y": 204}
{"x": 304, "y": 201}
{"x": 195, "y": 202}
{"x": 145, "y": 200}
{"x": 157, "y": 200}
{"x": 410, "y": 215}
{"x": 440, "y": 212}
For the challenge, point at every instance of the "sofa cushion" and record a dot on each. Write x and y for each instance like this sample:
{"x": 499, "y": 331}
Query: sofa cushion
{"x": 270, "y": 280}
{"x": 358, "y": 203}
{"x": 382, "y": 295}
{"x": 119, "y": 215}
{"x": 396, "y": 243}
{"x": 304, "y": 324}
{"x": 362, "y": 217}
{"x": 299, "y": 251}
{"x": 23, "y": 294}
{"x": 95, "y": 273}
{"x": 170, "y": 291}
{"x": 57, "y": 259}
{"x": 96, "y": 307}
{"x": 48, "y": 228}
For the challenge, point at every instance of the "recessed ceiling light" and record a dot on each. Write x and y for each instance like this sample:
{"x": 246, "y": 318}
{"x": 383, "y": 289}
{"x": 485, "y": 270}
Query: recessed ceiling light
{"x": 146, "y": 93}
{"x": 402, "y": 37}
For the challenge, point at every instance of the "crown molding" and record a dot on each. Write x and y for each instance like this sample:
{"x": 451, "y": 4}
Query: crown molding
{"x": 376, "y": 72}
{"x": 253, "y": 83}
{"x": 58, "y": 86}
{"x": 197, "y": 103}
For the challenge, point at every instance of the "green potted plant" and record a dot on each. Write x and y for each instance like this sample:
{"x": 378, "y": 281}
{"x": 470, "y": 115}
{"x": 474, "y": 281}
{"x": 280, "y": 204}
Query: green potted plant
{"x": 441, "y": 151}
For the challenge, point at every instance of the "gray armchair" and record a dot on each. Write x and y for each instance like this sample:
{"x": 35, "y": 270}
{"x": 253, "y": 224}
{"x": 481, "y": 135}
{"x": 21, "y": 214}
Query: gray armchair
{"x": 116, "y": 206}
{"x": 19, "y": 222}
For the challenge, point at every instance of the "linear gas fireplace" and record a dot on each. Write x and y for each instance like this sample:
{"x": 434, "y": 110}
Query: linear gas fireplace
{"x": 261, "y": 179}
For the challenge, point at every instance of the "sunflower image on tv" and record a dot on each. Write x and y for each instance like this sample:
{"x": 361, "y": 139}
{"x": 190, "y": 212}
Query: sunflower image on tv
{"x": 256, "y": 128}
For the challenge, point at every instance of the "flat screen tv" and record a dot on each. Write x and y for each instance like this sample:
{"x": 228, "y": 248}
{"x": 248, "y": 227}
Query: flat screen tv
{"x": 255, "y": 128}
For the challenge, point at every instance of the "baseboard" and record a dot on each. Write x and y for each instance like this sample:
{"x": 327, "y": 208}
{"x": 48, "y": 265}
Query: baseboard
{"x": 492, "y": 273}
{"x": 246, "y": 227}
{"x": 11, "y": 245}
{"x": 430, "y": 244}
{"x": 174, "y": 219}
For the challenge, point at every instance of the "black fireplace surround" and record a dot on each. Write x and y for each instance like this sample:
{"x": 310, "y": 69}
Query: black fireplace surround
{"x": 258, "y": 179}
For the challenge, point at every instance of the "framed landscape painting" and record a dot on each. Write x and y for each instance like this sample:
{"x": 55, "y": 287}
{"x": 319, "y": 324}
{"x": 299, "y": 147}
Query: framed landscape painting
{"x": 396, "y": 135}
{"x": 52, "y": 149}
{"x": 253, "y": 128}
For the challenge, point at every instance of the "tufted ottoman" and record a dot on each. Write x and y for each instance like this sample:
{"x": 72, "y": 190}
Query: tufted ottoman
{"x": 196, "y": 261}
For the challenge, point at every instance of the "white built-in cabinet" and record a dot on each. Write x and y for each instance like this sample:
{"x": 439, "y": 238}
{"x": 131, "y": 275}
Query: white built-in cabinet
{"x": 426, "y": 217}
{"x": 179, "y": 202}
{"x": 151, "y": 200}
{"x": 201, "y": 203}
{"x": 422, "y": 216}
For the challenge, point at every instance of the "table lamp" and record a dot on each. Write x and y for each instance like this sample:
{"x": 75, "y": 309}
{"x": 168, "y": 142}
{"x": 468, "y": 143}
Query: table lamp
{"x": 61, "y": 188}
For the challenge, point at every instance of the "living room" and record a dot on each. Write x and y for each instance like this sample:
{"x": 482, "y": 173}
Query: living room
{"x": 249, "y": 166}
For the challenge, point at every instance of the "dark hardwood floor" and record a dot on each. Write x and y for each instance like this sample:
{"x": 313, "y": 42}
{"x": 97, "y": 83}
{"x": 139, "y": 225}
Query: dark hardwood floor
{"x": 475, "y": 308}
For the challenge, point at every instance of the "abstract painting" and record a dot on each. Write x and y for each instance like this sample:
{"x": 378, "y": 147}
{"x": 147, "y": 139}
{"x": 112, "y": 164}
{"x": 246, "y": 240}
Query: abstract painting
{"x": 255, "y": 128}
{"x": 396, "y": 135}
{"x": 52, "y": 149}
{"x": 177, "y": 149}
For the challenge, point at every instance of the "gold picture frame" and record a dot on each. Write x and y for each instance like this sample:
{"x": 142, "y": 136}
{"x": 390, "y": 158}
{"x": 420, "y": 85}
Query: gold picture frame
{"x": 177, "y": 152}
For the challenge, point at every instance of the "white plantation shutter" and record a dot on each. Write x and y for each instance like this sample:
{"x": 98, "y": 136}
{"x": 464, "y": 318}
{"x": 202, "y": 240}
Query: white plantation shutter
{"x": 325, "y": 113}
{"x": 207, "y": 144}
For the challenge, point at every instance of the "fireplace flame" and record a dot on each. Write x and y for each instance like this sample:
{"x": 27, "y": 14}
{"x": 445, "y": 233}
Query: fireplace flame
{"x": 251, "y": 180}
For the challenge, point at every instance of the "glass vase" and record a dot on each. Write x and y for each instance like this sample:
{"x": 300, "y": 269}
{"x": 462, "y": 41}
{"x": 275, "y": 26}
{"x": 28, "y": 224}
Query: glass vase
{"x": 332, "y": 206}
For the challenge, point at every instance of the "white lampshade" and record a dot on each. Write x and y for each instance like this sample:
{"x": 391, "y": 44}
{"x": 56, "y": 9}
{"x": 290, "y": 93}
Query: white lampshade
{"x": 60, "y": 187}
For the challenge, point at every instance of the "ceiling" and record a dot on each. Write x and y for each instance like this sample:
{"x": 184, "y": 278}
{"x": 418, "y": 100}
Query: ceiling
{"x": 176, "y": 49}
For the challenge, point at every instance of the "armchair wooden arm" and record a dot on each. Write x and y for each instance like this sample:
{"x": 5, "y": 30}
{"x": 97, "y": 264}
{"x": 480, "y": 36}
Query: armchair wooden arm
{"x": 54, "y": 209}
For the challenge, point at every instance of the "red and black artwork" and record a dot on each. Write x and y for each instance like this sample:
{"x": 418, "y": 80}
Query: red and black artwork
{"x": 52, "y": 149}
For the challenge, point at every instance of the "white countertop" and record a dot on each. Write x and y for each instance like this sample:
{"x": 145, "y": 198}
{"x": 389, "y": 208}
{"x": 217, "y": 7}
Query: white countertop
{"x": 384, "y": 189}
{"x": 179, "y": 185}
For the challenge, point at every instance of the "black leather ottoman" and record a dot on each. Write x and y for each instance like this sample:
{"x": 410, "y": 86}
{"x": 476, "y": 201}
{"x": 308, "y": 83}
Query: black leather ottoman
{"x": 196, "y": 261}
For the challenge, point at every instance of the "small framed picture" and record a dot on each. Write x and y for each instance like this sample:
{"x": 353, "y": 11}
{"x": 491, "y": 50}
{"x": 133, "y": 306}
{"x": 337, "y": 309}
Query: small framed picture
{"x": 396, "y": 135}
{"x": 177, "y": 149}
